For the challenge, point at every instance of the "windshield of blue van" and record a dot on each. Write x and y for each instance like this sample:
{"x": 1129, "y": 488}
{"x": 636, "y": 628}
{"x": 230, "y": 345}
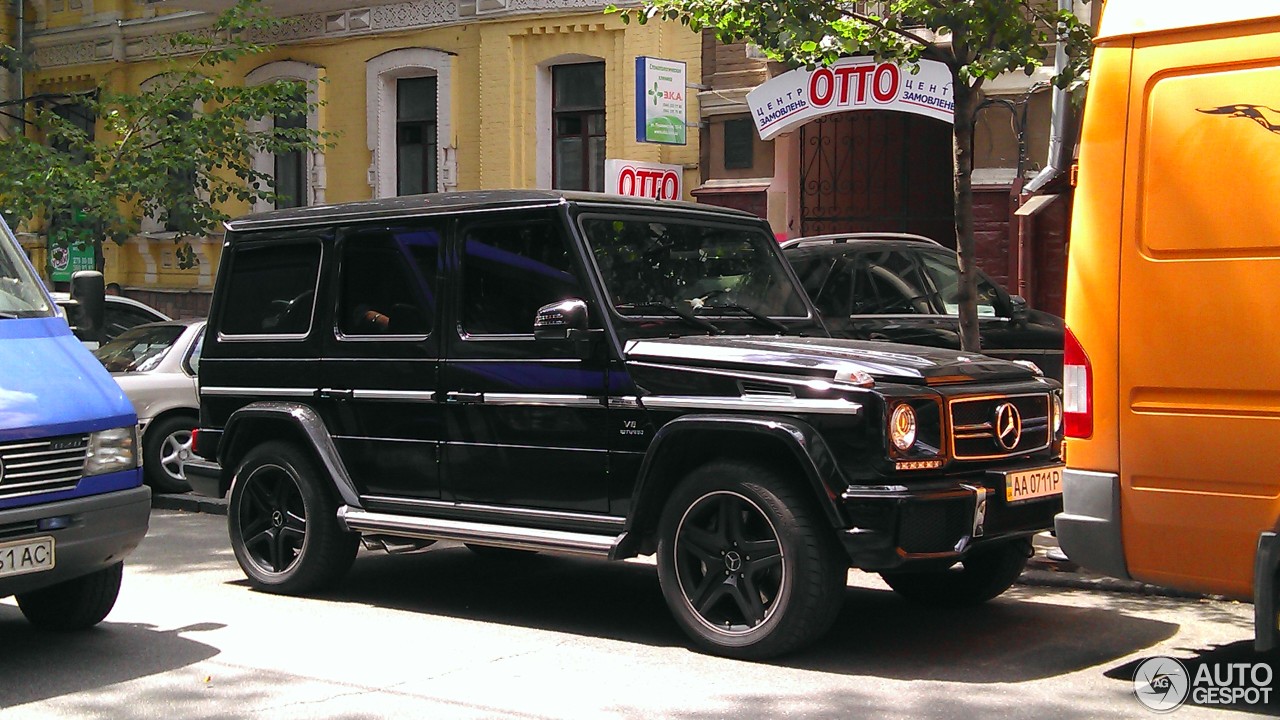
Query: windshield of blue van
{"x": 671, "y": 270}
{"x": 21, "y": 292}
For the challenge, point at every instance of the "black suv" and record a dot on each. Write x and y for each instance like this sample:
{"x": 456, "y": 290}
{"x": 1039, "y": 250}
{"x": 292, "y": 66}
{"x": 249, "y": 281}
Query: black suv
{"x": 903, "y": 288}
{"x": 603, "y": 376}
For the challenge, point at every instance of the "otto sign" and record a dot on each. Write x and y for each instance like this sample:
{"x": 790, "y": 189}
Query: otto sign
{"x": 640, "y": 179}
{"x": 859, "y": 83}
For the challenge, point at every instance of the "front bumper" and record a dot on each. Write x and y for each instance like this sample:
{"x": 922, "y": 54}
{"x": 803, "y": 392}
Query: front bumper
{"x": 90, "y": 533}
{"x": 892, "y": 526}
{"x": 1089, "y": 525}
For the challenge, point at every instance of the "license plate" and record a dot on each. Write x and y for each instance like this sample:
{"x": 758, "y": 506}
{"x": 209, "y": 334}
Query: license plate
{"x": 26, "y": 556}
{"x": 1032, "y": 484}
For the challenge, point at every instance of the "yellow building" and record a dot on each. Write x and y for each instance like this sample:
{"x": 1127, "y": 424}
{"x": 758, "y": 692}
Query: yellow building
{"x": 423, "y": 96}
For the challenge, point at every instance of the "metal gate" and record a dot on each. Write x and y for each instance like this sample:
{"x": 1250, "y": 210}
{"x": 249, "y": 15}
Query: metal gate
{"x": 877, "y": 170}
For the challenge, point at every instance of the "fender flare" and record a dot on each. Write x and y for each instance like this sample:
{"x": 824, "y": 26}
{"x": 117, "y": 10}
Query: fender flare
{"x": 309, "y": 423}
{"x": 806, "y": 446}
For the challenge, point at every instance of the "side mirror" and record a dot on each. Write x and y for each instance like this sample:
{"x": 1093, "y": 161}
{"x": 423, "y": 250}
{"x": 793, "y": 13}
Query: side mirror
{"x": 564, "y": 320}
{"x": 89, "y": 293}
{"x": 1017, "y": 308}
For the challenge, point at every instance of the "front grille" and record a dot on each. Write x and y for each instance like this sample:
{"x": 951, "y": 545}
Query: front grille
{"x": 33, "y": 466}
{"x": 974, "y": 431}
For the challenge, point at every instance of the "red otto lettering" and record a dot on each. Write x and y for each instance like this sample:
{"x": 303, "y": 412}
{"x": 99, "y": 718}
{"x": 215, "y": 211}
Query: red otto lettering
{"x": 854, "y": 84}
{"x": 657, "y": 184}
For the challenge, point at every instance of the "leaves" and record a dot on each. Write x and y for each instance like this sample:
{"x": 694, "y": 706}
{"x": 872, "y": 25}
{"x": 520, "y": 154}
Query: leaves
{"x": 179, "y": 149}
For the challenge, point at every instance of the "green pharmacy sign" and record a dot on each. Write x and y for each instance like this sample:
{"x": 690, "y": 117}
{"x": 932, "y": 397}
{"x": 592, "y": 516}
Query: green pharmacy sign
{"x": 660, "y": 101}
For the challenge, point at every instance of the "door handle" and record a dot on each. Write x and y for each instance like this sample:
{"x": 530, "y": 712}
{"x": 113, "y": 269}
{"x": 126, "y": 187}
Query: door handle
{"x": 463, "y": 398}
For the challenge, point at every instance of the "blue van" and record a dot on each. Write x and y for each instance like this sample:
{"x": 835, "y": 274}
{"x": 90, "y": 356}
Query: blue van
{"x": 72, "y": 502}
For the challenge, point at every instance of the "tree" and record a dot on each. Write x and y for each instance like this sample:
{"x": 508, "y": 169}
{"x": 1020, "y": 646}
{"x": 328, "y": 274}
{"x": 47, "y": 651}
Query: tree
{"x": 977, "y": 39}
{"x": 178, "y": 150}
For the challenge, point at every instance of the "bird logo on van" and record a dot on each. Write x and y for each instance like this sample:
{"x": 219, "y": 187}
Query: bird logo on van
{"x": 1267, "y": 117}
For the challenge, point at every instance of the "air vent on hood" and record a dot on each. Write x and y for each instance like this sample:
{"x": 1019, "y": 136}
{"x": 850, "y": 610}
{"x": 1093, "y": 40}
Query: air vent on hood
{"x": 755, "y": 387}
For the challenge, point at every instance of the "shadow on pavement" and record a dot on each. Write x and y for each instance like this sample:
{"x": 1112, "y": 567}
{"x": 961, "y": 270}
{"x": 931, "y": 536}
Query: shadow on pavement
{"x": 877, "y": 633}
{"x": 39, "y": 665}
{"x": 1215, "y": 661}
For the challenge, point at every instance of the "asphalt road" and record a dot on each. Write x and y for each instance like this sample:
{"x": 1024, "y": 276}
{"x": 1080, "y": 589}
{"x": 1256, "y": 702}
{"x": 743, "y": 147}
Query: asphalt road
{"x": 446, "y": 633}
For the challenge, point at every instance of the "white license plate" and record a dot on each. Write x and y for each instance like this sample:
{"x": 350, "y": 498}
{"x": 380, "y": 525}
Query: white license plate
{"x": 1033, "y": 484}
{"x": 26, "y": 556}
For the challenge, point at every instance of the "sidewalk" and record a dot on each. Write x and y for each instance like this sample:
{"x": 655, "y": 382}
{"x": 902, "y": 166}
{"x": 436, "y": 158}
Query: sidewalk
{"x": 1041, "y": 570}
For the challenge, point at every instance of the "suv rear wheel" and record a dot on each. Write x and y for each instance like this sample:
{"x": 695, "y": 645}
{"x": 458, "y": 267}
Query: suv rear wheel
{"x": 283, "y": 521}
{"x": 747, "y": 566}
{"x": 979, "y": 577}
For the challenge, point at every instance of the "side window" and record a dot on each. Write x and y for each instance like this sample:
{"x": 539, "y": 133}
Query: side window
{"x": 193, "y": 357}
{"x": 509, "y": 271}
{"x": 272, "y": 290}
{"x": 944, "y": 274}
{"x": 117, "y": 317}
{"x": 387, "y": 281}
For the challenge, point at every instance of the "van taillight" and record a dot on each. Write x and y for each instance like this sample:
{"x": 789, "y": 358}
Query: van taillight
{"x": 1077, "y": 388}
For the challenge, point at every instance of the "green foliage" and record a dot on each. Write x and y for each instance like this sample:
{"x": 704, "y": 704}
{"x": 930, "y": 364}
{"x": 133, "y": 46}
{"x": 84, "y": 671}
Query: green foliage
{"x": 179, "y": 150}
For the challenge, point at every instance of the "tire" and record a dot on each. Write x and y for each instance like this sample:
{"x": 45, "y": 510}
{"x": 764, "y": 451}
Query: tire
{"x": 283, "y": 522}
{"x": 166, "y": 449}
{"x": 76, "y": 604}
{"x": 788, "y": 595}
{"x": 499, "y": 553}
{"x": 982, "y": 575}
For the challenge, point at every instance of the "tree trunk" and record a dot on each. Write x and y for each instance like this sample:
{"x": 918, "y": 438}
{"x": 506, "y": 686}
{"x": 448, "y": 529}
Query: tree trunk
{"x": 966, "y": 100}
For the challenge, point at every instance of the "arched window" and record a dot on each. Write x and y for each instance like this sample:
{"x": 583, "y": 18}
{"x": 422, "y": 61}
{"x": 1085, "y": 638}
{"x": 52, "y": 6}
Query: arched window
{"x": 299, "y": 176}
{"x": 409, "y": 128}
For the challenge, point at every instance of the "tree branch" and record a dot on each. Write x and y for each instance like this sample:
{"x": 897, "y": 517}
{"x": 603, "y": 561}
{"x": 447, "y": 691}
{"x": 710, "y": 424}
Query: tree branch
{"x": 879, "y": 25}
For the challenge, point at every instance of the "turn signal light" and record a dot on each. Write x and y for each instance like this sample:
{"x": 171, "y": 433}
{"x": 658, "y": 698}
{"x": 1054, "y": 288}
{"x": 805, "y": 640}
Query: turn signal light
{"x": 1077, "y": 388}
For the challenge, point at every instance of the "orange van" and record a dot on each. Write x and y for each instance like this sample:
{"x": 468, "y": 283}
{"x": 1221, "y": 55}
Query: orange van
{"x": 1172, "y": 356}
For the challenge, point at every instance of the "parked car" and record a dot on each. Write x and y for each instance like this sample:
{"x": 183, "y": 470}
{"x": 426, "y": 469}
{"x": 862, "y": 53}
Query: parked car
{"x": 903, "y": 288}
{"x": 604, "y": 376}
{"x": 156, "y": 365}
{"x": 119, "y": 313}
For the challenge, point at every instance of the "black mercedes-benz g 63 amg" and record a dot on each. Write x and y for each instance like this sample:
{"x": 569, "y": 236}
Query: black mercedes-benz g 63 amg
{"x": 604, "y": 376}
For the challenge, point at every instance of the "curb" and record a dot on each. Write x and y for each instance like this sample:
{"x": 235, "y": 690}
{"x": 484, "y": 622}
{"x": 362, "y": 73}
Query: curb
{"x": 1041, "y": 571}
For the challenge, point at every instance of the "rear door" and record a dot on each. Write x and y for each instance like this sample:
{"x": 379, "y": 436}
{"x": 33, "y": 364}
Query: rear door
{"x": 1199, "y": 401}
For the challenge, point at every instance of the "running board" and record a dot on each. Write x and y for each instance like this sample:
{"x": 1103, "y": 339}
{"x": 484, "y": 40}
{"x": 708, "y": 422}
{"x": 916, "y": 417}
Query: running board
{"x": 510, "y": 536}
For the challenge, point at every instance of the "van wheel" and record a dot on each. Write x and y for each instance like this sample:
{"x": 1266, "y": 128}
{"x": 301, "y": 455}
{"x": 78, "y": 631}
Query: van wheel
{"x": 979, "y": 577}
{"x": 747, "y": 565}
{"x": 283, "y": 522}
{"x": 166, "y": 450}
{"x": 76, "y": 604}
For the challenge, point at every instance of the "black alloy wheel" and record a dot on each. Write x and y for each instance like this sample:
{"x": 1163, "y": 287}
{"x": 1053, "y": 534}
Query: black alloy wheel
{"x": 282, "y": 519}
{"x": 747, "y": 562}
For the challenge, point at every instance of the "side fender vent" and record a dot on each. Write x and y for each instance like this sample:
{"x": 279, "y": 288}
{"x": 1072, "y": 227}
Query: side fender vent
{"x": 757, "y": 388}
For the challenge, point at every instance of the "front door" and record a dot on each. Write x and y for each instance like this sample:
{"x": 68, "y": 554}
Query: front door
{"x": 525, "y": 418}
{"x": 382, "y": 360}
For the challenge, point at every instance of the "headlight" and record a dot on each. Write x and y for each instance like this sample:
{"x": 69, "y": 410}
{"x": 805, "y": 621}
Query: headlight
{"x": 112, "y": 451}
{"x": 902, "y": 427}
{"x": 1055, "y": 412}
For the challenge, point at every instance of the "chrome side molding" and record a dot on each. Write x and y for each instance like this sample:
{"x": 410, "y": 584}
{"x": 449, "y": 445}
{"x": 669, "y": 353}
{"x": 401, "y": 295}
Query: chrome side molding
{"x": 522, "y": 538}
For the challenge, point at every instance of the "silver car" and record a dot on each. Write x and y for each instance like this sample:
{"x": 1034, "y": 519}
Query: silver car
{"x": 155, "y": 364}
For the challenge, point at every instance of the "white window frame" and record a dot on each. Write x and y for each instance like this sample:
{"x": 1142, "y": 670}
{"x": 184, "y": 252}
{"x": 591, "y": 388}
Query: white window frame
{"x": 545, "y": 107}
{"x": 150, "y": 225}
{"x": 381, "y": 74}
{"x": 265, "y": 162}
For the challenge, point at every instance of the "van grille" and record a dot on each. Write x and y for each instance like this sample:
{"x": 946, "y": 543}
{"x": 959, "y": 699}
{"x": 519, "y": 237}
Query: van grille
{"x": 35, "y": 466}
{"x": 975, "y": 435}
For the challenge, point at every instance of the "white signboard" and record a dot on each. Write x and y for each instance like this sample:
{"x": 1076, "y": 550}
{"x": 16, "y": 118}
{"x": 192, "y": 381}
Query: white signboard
{"x": 642, "y": 179}
{"x": 858, "y": 83}
{"x": 660, "y": 101}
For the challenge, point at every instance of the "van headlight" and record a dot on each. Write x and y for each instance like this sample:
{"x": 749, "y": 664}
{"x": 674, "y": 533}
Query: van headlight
{"x": 902, "y": 427}
{"x": 112, "y": 451}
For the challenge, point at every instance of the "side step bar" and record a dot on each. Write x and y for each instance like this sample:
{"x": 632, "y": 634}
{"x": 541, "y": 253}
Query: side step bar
{"x": 522, "y": 538}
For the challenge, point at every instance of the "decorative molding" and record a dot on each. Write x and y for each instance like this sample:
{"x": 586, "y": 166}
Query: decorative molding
{"x": 381, "y": 74}
{"x": 139, "y": 43}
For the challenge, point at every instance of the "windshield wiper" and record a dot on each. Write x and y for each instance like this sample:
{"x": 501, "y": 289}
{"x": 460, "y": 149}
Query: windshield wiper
{"x": 685, "y": 315}
{"x": 754, "y": 313}
{"x": 8, "y": 315}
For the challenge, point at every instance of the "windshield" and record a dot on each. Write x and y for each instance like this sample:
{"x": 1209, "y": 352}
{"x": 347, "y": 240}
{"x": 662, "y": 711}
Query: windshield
{"x": 21, "y": 292}
{"x": 664, "y": 269}
{"x": 139, "y": 349}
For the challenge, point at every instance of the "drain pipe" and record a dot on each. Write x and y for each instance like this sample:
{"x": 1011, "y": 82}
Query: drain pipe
{"x": 20, "y": 45}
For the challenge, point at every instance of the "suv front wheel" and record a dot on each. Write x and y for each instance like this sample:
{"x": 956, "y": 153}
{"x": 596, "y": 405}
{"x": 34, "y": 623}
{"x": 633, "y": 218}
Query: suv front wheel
{"x": 283, "y": 521}
{"x": 746, "y": 564}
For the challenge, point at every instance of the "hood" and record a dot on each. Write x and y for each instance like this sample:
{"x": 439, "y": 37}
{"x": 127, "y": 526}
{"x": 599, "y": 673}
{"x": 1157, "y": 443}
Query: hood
{"x": 51, "y": 385}
{"x": 824, "y": 357}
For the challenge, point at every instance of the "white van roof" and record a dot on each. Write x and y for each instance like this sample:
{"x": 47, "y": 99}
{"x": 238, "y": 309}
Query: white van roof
{"x": 1137, "y": 17}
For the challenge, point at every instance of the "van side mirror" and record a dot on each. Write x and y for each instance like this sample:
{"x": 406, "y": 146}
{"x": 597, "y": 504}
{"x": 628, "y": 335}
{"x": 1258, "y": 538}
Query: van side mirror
{"x": 1017, "y": 308}
{"x": 564, "y": 320}
{"x": 88, "y": 291}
